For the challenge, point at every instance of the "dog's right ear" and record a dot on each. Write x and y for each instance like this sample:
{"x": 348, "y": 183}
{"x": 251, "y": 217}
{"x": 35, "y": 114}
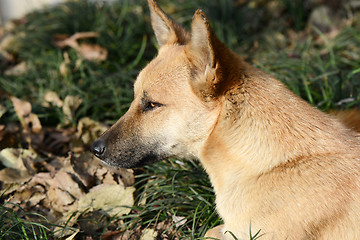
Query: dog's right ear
{"x": 167, "y": 31}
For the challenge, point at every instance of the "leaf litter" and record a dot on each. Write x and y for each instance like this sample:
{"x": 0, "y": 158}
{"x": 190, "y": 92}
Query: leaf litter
{"x": 67, "y": 185}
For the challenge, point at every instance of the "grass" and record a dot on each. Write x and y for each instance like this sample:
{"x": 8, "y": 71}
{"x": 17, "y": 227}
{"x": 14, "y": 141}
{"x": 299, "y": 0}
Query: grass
{"x": 175, "y": 188}
{"x": 14, "y": 225}
{"x": 325, "y": 71}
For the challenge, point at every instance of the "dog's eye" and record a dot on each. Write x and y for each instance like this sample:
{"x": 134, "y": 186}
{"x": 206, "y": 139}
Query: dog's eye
{"x": 151, "y": 106}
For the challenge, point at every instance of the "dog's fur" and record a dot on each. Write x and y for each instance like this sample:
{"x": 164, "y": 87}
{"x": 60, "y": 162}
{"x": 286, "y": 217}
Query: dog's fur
{"x": 275, "y": 162}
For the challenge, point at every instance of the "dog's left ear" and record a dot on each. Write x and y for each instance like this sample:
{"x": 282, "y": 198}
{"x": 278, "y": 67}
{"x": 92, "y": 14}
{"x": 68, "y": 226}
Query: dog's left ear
{"x": 212, "y": 60}
{"x": 167, "y": 31}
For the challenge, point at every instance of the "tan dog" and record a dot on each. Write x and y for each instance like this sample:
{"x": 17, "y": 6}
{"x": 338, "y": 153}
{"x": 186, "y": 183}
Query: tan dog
{"x": 276, "y": 163}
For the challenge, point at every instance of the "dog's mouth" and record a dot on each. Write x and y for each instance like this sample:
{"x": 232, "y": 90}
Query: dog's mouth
{"x": 132, "y": 162}
{"x": 133, "y": 156}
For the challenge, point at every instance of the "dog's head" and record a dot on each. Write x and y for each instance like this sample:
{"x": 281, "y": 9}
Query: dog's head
{"x": 176, "y": 97}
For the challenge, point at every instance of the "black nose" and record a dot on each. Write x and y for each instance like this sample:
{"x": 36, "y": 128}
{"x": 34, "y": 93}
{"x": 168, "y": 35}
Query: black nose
{"x": 98, "y": 148}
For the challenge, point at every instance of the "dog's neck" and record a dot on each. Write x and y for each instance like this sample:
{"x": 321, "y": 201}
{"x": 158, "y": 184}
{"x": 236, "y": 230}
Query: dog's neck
{"x": 262, "y": 133}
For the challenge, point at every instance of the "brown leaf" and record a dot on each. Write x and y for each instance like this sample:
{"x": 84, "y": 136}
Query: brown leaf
{"x": 17, "y": 70}
{"x": 92, "y": 52}
{"x": 71, "y": 104}
{"x": 63, "y": 40}
{"x": 2, "y": 110}
{"x": 113, "y": 235}
{"x": 126, "y": 175}
{"x": 12, "y": 158}
{"x": 10, "y": 175}
{"x": 148, "y": 234}
{"x": 60, "y": 200}
{"x": 88, "y": 130}
{"x": 64, "y": 181}
{"x": 22, "y": 108}
{"x": 67, "y": 220}
{"x": 51, "y": 98}
{"x": 29, "y": 121}
{"x": 110, "y": 199}
{"x": 85, "y": 166}
{"x": 57, "y": 140}
{"x": 64, "y": 66}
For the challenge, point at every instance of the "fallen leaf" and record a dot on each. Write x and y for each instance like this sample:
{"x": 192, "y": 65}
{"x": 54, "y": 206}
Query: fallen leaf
{"x": 10, "y": 175}
{"x": 17, "y": 70}
{"x": 60, "y": 200}
{"x": 67, "y": 220}
{"x": 63, "y": 40}
{"x": 92, "y": 52}
{"x": 29, "y": 121}
{"x": 50, "y": 99}
{"x": 63, "y": 180}
{"x": 114, "y": 200}
{"x": 71, "y": 104}
{"x": 64, "y": 65}
{"x": 72, "y": 236}
{"x": 7, "y": 41}
{"x": 12, "y": 158}
{"x": 85, "y": 166}
{"x": 179, "y": 221}
{"x": 113, "y": 235}
{"x": 88, "y": 130}
{"x": 148, "y": 234}
{"x": 22, "y": 108}
{"x": 92, "y": 222}
{"x": 2, "y": 110}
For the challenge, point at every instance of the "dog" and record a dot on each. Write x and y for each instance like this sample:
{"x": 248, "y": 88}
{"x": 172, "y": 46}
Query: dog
{"x": 276, "y": 163}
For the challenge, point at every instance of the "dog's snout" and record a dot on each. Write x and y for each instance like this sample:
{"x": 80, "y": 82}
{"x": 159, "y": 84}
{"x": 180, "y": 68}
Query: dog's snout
{"x": 98, "y": 148}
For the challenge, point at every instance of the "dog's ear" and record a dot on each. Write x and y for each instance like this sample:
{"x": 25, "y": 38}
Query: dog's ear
{"x": 203, "y": 40}
{"x": 213, "y": 62}
{"x": 167, "y": 31}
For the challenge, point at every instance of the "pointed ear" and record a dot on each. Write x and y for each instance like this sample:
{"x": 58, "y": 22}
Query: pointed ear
{"x": 202, "y": 41}
{"x": 215, "y": 65}
{"x": 167, "y": 31}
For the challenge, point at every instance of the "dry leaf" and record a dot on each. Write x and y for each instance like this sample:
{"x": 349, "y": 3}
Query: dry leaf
{"x": 114, "y": 200}
{"x": 64, "y": 181}
{"x": 67, "y": 220}
{"x": 7, "y": 41}
{"x": 92, "y": 222}
{"x": 88, "y": 130}
{"x": 29, "y": 121}
{"x": 50, "y": 99}
{"x": 63, "y": 40}
{"x": 17, "y": 70}
{"x": 10, "y": 175}
{"x": 148, "y": 234}
{"x": 60, "y": 200}
{"x": 22, "y": 108}
{"x": 113, "y": 235}
{"x": 179, "y": 221}
{"x": 72, "y": 236}
{"x": 85, "y": 166}
{"x": 12, "y": 158}
{"x": 71, "y": 104}
{"x": 2, "y": 110}
{"x": 64, "y": 66}
{"x": 92, "y": 52}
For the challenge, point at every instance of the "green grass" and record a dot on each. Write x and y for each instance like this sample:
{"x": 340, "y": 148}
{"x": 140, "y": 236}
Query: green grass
{"x": 175, "y": 188}
{"x": 325, "y": 74}
{"x": 15, "y": 225}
